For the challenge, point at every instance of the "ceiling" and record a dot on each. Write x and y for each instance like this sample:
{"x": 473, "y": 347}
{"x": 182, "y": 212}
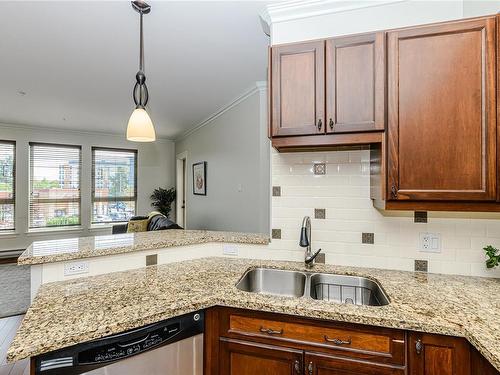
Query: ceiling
{"x": 72, "y": 65}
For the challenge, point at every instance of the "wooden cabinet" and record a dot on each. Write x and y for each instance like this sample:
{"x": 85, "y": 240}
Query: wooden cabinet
{"x": 249, "y": 358}
{"x": 298, "y": 89}
{"x": 438, "y": 355}
{"x": 442, "y": 112}
{"x": 246, "y": 342}
{"x": 343, "y": 76}
{"x": 355, "y": 83}
{"x": 320, "y": 364}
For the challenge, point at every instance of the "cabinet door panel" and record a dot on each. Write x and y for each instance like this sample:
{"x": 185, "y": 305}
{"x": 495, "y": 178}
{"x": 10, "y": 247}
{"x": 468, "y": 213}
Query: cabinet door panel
{"x": 355, "y": 88}
{"x": 297, "y": 87}
{"x": 438, "y": 355}
{"x": 319, "y": 364}
{"x": 247, "y": 358}
{"x": 442, "y": 112}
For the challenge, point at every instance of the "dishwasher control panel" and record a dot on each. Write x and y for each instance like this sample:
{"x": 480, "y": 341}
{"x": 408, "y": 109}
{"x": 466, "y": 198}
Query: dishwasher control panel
{"x": 124, "y": 349}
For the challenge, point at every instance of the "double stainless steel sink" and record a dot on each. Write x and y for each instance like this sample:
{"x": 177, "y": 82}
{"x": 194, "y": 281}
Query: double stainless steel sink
{"x": 319, "y": 286}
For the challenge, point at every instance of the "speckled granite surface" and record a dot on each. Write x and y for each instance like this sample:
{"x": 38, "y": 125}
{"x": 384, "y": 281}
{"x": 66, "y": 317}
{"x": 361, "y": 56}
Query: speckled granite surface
{"x": 71, "y": 312}
{"x": 87, "y": 247}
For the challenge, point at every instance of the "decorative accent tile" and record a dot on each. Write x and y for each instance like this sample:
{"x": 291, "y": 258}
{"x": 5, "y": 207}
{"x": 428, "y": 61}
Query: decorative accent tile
{"x": 320, "y": 258}
{"x": 276, "y": 234}
{"x": 368, "y": 238}
{"x": 320, "y": 213}
{"x": 421, "y": 265}
{"x": 151, "y": 260}
{"x": 276, "y": 191}
{"x": 420, "y": 217}
{"x": 319, "y": 168}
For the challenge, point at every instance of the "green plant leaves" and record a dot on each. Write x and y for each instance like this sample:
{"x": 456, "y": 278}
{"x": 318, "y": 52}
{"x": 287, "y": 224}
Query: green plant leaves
{"x": 493, "y": 255}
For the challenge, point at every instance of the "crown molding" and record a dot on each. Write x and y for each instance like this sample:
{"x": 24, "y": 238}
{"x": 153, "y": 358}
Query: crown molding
{"x": 297, "y": 9}
{"x": 258, "y": 86}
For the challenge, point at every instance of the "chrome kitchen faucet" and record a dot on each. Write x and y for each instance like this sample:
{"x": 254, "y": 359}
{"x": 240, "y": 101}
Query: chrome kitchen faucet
{"x": 305, "y": 241}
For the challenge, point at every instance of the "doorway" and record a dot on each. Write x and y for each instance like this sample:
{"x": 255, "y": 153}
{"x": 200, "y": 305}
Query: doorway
{"x": 181, "y": 183}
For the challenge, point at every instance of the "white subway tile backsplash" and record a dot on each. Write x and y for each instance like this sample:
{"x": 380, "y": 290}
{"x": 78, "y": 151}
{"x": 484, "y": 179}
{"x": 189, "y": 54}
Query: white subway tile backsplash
{"x": 344, "y": 192}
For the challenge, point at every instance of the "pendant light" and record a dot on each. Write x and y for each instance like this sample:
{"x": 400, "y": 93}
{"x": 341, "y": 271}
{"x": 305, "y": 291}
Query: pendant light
{"x": 140, "y": 127}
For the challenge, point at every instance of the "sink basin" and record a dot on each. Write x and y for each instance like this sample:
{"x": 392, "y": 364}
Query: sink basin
{"x": 347, "y": 289}
{"x": 270, "y": 281}
{"x": 318, "y": 286}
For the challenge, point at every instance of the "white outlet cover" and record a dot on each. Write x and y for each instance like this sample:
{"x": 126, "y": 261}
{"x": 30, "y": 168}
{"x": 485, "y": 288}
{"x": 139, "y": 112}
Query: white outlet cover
{"x": 430, "y": 242}
{"x": 76, "y": 268}
{"x": 230, "y": 250}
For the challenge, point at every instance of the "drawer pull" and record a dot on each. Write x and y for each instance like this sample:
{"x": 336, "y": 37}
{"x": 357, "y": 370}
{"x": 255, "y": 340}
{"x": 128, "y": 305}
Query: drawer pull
{"x": 270, "y": 331}
{"x": 338, "y": 341}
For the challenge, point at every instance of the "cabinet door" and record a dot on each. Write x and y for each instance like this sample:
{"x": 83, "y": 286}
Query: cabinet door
{"x": 438, "y": 355}
{"x": 298, "y": 89}
{"x": 250, "y": 358}
{"x": 320, "y": 364}
{"x": 355, "y": 83}
{"x": 441, "y": 112}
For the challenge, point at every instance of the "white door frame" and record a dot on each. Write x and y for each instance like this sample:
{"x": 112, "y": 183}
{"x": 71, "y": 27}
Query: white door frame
{"x": 181, "y": 188}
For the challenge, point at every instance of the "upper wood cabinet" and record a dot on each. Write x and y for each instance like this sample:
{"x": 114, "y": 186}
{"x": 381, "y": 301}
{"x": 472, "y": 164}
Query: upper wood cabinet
{"x": 298, "y": 89}
{"x": 442, "y": 112}
{"x": 355, "y": 83}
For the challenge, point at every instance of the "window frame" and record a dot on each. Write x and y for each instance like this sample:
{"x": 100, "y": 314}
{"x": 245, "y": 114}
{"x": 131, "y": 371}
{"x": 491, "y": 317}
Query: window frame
{"x": 12, "y": 200}
{"x": 70, "y": 200}
{"x": 94, "y": 199}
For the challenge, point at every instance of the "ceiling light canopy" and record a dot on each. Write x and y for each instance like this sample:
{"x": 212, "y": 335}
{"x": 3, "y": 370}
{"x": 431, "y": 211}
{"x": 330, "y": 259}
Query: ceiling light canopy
{"x": 140, "y": 127}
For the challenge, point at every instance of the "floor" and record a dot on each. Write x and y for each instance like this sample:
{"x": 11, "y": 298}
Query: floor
{"x": 8, "y": 328}
{"x": 14, "y": 289}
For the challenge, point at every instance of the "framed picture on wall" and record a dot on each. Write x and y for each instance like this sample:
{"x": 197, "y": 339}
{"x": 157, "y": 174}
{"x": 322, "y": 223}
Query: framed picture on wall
{"x": 200, "y": 178}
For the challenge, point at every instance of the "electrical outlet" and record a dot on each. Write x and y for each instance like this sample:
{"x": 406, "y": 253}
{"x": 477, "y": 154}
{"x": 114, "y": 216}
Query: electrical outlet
{"x": 430, "y": 242}
{"x": 230, "y": 250}
{"x": 76, "y": 268}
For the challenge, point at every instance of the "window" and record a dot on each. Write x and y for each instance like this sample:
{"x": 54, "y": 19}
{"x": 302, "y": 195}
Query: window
{"x": 7, "y": 184}
{"x": 114, "y": 184}
{"x": 54, "y": 185}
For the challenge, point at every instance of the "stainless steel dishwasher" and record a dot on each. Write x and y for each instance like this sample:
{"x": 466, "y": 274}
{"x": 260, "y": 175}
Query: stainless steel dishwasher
{"x": 170, "y": 347}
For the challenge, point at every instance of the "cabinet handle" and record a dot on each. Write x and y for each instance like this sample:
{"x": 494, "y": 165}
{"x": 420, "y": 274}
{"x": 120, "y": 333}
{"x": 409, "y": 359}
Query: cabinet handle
{"x": 320, "y": 124}
{"x": 270, "y": 331}
{"x": 394, "y": 192}
{"x": 310, "y": 368}
{"x": 331, "y": 124}
{"x": 338, "y": 341}
{"x": 296, "y": 366}
{"x": 419, "y": 346}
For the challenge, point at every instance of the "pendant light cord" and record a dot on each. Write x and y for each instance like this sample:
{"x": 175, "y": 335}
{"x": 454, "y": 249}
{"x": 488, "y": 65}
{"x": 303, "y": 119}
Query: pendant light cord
{"x": 141, "y": 49}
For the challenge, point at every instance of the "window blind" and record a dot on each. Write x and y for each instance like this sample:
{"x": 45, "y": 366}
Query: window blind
{"x": 7, "y": 184}
{"x": 114, "y": 184}
{"x": 54, "y": 185}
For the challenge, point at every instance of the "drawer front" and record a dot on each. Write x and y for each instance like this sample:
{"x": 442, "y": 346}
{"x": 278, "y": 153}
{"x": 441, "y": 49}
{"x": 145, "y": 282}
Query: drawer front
{"x": 358, "y": 342}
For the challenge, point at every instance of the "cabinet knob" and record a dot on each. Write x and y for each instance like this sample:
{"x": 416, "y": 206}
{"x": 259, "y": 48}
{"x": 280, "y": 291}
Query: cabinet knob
{"x": 310, "y": 368}
{"x": 331, "y": 124}
{"x": 296, "y": 366}
{"x": 394, "y": 192}
{"x": 320, "y": 124}
{"x": 419, "y": 346}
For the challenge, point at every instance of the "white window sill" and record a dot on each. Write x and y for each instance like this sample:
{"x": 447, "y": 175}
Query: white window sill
{"x": 96, "y": 227}
{"x": 41, "y": 231}
{"x": 8, "y": 234}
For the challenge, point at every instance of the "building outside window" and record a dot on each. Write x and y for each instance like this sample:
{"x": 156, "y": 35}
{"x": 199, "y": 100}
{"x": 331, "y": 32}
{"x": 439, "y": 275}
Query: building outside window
{"x": 114, "y": 184}
{"x": 7, "y": 184}
{"x": 55, "y": 195}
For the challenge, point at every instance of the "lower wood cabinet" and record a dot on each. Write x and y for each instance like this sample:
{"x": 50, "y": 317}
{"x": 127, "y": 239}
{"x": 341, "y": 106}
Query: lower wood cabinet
{"x": 244, "y": 342}
{"x": 438, "y": 355}
{"x": 249, "y": 358}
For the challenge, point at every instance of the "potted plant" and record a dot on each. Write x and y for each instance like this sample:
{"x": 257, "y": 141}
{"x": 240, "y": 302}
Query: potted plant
{"x": 493, "y": 256}
{"x": 162, "y": 200}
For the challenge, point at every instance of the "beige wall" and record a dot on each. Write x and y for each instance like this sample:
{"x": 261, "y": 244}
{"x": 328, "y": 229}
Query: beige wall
{"x": 155, "y": 168}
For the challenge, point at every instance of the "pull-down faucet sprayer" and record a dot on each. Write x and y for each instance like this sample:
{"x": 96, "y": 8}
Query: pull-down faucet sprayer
{"x": 305, "y": 241}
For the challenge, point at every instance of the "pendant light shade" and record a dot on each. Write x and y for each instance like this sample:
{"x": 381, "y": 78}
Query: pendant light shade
{"x": 140, "y": 127}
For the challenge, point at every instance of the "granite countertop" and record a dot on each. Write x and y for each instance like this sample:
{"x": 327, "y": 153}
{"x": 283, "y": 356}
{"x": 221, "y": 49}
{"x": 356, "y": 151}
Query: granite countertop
{"x": 86, "y": 247}
{"x": 71, "y": 312}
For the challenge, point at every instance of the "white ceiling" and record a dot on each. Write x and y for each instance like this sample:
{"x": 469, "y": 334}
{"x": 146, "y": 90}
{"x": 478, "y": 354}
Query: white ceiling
{"x": 76, "y": 62}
